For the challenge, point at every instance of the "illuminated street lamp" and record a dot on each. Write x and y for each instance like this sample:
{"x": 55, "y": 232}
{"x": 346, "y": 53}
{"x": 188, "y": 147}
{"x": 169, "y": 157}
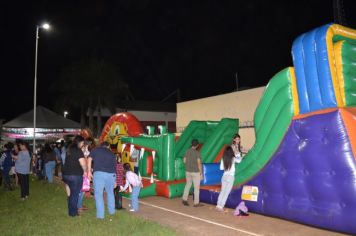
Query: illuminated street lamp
{"x": 44, "y": 26}
{"x": 65, "y": 113}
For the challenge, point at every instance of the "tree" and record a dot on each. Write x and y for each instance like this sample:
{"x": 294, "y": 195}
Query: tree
{"x": 90, "y": 85}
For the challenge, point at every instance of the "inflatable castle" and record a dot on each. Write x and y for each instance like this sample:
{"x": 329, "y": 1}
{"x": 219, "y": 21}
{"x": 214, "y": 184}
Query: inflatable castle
{"x": 302, "y": 166}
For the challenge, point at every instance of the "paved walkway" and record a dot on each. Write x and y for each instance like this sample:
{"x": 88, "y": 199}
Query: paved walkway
{"x": 206, "y": 221}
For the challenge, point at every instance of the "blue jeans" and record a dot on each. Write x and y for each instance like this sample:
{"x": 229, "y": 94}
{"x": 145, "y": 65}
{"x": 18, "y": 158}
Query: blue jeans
{"x": 6, "y": 175}
{"x": 80, "y": 199}
{"x": 104, "y": 180}
{"x": 226, "y": 185}
{"x": 134, "y": 198}
{"x": 75, "y": 183}
{"x": 49, "y": 167}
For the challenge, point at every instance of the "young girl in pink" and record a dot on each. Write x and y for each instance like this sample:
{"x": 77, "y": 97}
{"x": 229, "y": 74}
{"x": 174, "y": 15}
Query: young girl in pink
{"x": 133, "y": 180}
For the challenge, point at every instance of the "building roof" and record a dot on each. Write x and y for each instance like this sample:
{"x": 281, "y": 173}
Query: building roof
{"x": 129, "y": 106}
{"x": 147, "y": 106}
{"x": 45, "y": 118}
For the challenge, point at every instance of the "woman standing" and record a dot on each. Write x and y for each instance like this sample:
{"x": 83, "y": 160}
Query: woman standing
{"x": 237, "y": 148}
{"x": 22, "y": 166}
{"x": 89, "y": 144}
{"x": 49, "y": 158}
{"x": 232, "y": 155}
{"x": 15, "y": 152}
{"x": 73, "y": 171}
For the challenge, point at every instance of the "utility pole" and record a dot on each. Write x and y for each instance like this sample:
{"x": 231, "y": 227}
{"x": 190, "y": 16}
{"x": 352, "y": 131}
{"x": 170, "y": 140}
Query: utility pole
{"x": 237, "y": 82}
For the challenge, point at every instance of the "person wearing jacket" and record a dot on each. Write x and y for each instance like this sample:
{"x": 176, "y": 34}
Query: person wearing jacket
{"x": 7, "y": 164}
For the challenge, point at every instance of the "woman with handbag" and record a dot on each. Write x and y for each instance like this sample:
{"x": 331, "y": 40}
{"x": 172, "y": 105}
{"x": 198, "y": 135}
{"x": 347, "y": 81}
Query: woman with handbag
{"x": 87, "y": 147}
{"x": 73, "y": 170}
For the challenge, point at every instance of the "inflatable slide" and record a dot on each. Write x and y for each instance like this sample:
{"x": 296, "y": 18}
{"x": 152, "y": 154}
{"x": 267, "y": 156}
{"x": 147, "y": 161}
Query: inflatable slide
{"x": 303, "y": 164}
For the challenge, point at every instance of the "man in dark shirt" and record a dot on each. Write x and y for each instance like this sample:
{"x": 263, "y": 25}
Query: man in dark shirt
{"x": 104, "y": 178}
{"x": 193, "y": 173}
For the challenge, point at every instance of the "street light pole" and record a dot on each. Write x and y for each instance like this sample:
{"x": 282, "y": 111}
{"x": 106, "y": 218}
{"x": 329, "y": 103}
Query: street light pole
{"x": 46, "y": 27}
{"x": 35, "y": 95}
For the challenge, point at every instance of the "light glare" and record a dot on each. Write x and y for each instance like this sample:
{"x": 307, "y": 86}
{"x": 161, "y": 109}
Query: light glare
{"x": 46, "y": 26}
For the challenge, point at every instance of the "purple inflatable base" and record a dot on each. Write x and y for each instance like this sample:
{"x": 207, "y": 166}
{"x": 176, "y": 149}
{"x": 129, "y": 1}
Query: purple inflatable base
{"x": 310, "y": 179}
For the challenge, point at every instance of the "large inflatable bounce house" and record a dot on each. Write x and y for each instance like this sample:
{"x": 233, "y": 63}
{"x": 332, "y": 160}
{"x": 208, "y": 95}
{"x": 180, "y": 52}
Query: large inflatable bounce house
{"x": 302, "y": 166}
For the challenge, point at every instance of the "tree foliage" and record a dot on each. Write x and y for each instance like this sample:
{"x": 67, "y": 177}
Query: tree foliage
{"x": 91, "y": 84}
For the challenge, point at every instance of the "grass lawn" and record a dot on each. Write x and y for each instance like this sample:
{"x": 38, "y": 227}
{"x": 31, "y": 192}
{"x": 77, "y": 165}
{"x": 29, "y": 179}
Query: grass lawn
{"x": 45, "y": 213}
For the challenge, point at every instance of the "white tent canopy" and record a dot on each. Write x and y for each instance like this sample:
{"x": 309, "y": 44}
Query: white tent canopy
{"x": 48, "y": 125}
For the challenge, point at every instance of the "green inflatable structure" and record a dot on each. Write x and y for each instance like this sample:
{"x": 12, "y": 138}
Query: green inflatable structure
{"x": 162, "y": 157}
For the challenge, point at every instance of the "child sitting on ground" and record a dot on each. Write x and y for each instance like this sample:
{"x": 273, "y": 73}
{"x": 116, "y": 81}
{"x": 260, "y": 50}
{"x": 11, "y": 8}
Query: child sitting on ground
{"x": 133, "y": 180}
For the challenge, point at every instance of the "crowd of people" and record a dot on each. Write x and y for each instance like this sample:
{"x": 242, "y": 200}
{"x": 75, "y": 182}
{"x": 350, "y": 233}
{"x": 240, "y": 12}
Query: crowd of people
{"x": 75, "y": 163}
{"x": 80, "y": 162}
{"x": 85, "y": 162}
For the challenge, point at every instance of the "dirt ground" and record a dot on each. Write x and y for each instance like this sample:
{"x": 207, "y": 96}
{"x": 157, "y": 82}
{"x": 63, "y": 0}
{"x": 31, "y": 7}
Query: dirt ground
{"x": 206, "y": 221}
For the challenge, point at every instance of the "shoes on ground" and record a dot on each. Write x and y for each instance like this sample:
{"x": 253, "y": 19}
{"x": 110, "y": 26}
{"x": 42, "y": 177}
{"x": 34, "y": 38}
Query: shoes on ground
{"x": 82, "y": 209}
{"x": 132, "y": 210}
{"x": 219, "y": 209}
{"x": 185, "y": 203}
{"x": 198, "y": 205}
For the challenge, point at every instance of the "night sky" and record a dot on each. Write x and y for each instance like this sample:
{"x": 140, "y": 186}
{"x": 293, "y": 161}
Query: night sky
{"x": 158, "y": 46}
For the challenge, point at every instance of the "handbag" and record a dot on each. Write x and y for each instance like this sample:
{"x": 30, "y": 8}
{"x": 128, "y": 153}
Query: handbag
{"x": 86, "y": 184}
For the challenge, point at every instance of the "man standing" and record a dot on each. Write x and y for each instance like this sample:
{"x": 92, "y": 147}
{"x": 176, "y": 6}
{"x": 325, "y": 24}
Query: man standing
{"x": 104, "y": 178}
{"x": 193, "y": 173}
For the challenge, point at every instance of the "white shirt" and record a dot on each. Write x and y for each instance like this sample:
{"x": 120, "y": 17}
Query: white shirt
{"x": 133, "y": 179}
{"x": 231, "y": 171}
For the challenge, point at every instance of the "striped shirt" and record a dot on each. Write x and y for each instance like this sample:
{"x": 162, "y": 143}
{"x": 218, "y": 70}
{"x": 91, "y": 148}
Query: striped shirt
{"x": 120, "y": 174}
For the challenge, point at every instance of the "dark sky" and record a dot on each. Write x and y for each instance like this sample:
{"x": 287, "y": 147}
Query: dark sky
{"x": 157, "y": 45}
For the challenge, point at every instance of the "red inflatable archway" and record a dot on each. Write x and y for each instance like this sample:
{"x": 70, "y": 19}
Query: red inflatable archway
{"x": 133, "y": 125}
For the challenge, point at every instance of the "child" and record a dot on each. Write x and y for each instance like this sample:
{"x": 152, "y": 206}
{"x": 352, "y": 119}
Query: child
{"x": 134, "y": 180}
{"x": 228, "y": 165}
{"x": 119, "y": 183}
